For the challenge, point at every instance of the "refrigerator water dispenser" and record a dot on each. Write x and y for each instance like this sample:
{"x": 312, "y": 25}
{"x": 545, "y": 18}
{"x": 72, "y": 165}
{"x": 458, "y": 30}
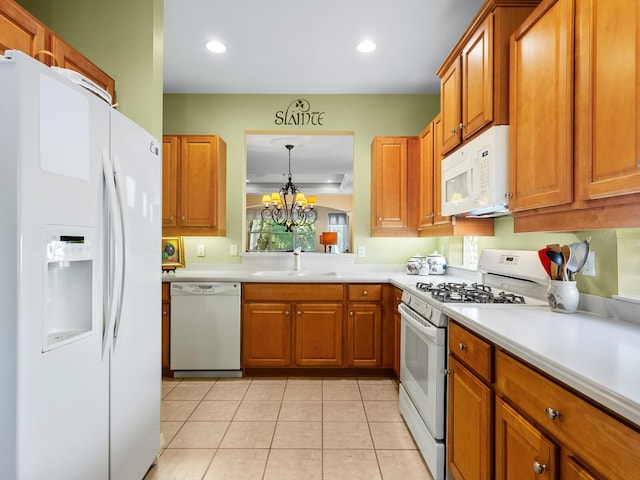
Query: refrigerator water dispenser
{"x": 69, "y": 306}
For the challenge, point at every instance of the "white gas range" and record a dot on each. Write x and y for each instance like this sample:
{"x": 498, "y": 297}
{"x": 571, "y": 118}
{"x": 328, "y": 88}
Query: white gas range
{"x": 509, "y": 277}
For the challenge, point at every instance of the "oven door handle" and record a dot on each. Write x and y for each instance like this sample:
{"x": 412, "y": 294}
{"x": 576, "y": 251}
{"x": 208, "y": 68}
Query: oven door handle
{"x": 429, "y": 330}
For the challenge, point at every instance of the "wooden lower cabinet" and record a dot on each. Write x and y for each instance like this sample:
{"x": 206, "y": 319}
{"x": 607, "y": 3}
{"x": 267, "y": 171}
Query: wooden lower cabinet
{"x": 364, "y": 328}
{"x": 266, "y": 335}
{"x": 469, "y": 432}
{"x": 522, "y": 450}
{"x": 166, "y": 327}
{"x": 318, "y": 335}
{"x": 541, "y": 429}
{"x": 397, "y": 330}
{"x": 305, "y": 325}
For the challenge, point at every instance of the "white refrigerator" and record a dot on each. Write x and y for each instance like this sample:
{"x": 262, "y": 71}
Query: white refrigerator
{"x": 80, "y": 230}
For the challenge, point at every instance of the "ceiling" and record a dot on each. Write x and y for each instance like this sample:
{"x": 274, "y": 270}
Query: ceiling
{"x": 309, "y": 47}
{"x": 320, "y": 164}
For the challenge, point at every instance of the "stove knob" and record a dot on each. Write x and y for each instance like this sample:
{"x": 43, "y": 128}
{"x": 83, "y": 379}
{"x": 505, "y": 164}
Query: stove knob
{"x": 428, "y": 312}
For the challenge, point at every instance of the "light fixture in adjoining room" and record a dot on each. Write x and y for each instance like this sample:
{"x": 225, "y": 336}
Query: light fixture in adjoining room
{"x": 289, "y": 207}
{"x": 215, "y": 46}
{"x": 366, "y": 46}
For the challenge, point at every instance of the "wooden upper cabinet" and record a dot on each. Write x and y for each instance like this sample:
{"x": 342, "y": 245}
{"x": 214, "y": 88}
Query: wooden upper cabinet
{"x": 474, "y": 87}
{"x": 451, "y": 105}
{"x": 194, "y": 185}
{"x": 394, "y": 181}
{"x": 541, "y": 103}
{"x": 477, "y": 79}
{"x": 69, "y": 57}
{"x": 427, "y": 180}
{"x": 607, "y": 82}
{"x": 19, "y": 30}
{"x": 170, "y": 155}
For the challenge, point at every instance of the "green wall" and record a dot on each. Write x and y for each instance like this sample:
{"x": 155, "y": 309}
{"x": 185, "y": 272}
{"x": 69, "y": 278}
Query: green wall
{"x": 123, "y": 38}
{"x": 231, "y": 116}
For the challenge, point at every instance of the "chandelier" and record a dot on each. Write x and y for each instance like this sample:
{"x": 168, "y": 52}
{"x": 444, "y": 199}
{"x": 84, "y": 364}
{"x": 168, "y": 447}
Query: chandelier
{"x": 289, "y": 207}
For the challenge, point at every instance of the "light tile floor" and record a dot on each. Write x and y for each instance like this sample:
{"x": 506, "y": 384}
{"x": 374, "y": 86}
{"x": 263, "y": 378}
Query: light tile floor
{"x": 284, "y": 428}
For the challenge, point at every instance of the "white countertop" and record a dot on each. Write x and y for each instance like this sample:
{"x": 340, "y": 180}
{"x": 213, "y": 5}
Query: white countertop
{"x": 597, "y": 356}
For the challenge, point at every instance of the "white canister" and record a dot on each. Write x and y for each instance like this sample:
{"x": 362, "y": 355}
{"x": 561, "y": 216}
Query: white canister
{"x": 416, "y": 265}
{"x": 563, "y": 296}
{"x": 437, "y": 264}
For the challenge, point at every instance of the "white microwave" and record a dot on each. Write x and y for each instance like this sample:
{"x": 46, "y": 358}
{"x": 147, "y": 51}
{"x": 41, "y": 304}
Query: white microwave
{"x": 474, "y": 177}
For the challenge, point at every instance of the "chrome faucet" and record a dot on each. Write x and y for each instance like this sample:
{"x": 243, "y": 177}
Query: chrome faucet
{"x": 296, "y": 258}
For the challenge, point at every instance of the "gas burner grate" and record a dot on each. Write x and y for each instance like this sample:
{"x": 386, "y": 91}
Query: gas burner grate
{"x": 452, "y": 292}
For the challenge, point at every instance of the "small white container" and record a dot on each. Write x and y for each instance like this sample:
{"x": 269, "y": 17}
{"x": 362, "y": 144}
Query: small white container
{"x": 437, "y": 264}
{"x": 563, "y": 296}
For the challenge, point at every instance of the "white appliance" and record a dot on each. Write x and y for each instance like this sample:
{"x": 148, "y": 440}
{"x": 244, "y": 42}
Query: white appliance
{"x": 423, "y": 338}
{"x": 80, "y": 230}
{"x": 475, "y": 177}
{"x": 205, "y": 329}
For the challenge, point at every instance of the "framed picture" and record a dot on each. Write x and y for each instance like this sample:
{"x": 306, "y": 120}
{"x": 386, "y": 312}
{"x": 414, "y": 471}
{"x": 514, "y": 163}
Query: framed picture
{"x": 172, "y": 252}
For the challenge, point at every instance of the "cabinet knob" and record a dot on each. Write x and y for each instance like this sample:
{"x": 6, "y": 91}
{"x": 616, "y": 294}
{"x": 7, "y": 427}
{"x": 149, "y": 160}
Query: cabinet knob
{"x": 461, "y": 346}
{"x": 299, "y": 312}
{"x": 462, "y": 125}
{"x": 172, "y": 217}
{"x": 184, "y": 217}
{"x": 286, "y": 313}
{"x": 552, "y": 413}
{"x": 379, "y": 219}
{"x": 431, "y": 215}
{"x": 453, "y": 131}
{"x": 351, "y": 314}
{"x": 539, "y": 468}
{"x": 164, "y": 313}
{"x": 508, "y": 195}
{"x": 365, "y": 293}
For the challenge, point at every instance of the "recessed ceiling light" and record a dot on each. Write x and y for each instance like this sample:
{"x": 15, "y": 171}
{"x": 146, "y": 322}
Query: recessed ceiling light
{"x": 215, "y": 46}
{"x": 366, "y": 46}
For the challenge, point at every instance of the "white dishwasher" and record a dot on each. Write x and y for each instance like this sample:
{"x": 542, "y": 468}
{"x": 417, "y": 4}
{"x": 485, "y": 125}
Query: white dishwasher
{"x": 205, "y": 329}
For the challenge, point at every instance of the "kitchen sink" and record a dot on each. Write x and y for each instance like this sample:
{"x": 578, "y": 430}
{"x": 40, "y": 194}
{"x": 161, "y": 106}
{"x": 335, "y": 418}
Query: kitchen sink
{"x": 293, "y": 273}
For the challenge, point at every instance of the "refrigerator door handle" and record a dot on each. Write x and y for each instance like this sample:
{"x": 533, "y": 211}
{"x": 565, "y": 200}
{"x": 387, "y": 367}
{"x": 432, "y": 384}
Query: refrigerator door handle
{"x": 121, "y": 238}
{"x": 115, "y": 268}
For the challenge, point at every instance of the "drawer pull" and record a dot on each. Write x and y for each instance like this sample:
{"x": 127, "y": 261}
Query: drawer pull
{"x": 461, "y": 346}
{"x": 551, "y": 413}
{"x": 539, "y": 468}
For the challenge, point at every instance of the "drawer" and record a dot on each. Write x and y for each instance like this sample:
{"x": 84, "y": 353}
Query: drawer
{"x": 607, "y": 444}
{"x": 292, "y": 292}
{"x": 471, "y": 350}
{"x": 165, "y": 292}
{"x": 364, "y": 292}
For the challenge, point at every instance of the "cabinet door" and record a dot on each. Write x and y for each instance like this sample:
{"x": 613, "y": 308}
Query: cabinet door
{"x": 318, "y": 335}
{"x": 522, "y": 451}
{"x": 427, "y": 180}
{"x": 364, "y": 328}
{"x": 166, "y": 326}
{"x": 199, "y": 168}
{"x": 541, "y": 109}
{"x": 19, "y": 30}
{"x": 390, "y": 184}
{"x": 572, "y": 470}
{"x": 397, "y": 328}
{"x": 69, "y": 57}
{"x": 469, "y": 447}
{"x": 436, "y": 128}
{"x": 477, "y": 79}
{"x": 170, "y": 153}
{"x": 266, "y": 335}
{"x": 451, "y": 105}
{"x": 608, "y": 99}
